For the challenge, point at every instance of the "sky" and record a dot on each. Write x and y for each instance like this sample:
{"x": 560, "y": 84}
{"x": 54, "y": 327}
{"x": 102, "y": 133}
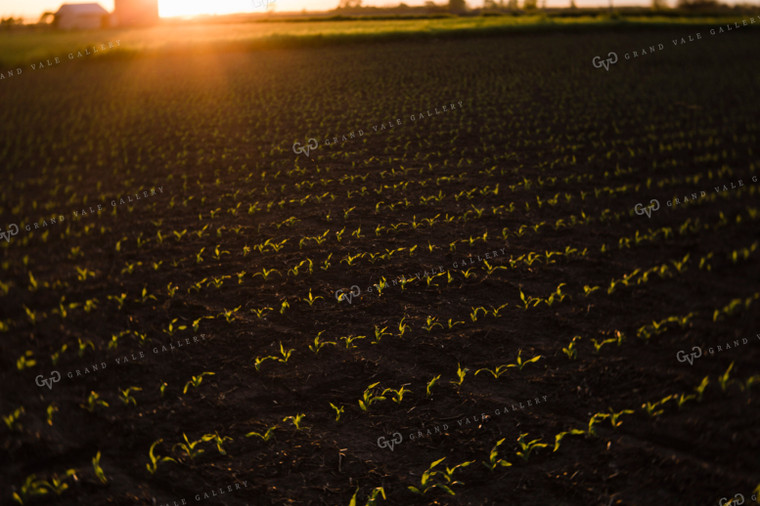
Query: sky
{"x": 32, "y": 9}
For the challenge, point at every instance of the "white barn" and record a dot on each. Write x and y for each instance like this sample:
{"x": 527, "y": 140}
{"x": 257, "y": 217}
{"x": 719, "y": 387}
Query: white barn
{"x": 81, "y": 16}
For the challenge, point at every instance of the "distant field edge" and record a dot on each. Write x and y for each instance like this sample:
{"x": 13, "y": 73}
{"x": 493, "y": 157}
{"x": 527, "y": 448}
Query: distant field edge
{"x": 133, "y": 47}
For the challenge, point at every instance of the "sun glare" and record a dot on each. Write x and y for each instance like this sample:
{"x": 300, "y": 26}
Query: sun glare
{"x": 171, "y": 8}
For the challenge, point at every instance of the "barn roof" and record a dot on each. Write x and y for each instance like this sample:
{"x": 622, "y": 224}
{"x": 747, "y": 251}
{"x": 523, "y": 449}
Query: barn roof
{"x": 79, "y": 9}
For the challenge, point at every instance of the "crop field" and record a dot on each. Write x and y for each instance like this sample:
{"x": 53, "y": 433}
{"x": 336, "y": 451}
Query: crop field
{"x": 455, "y": 271}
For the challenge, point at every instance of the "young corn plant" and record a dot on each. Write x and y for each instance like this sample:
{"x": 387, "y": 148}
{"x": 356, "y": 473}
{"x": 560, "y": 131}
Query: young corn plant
{"x": 371, "y": 499}
{"x": 99, "y": 473}
{"x": 428, "y": 483}
{"x": 379, "y": 333}
{"x": 126, "y": 396}
{"x": 12, "y": 420}
{"x": 93, "y": 401}
{"x": 51, "y": 409}
{"x": 311, "y": 300}
{"x": 189, "y": 447}
{"x": 723, "y": 379}
{"x": 519, "y": 363}
{"x": 152, "y": 466}
{"x": 461, "y": 373}
{"x": 318, "y": 345}
{"x": 571, "y": 351}
{"x": 497, "y": 372}
{"x": 266, "y": 436}
{"x": 338, "y": 411}
{"x": 493, "y": 458}
{"x": 431, "y": 323}
{"x": 527, "y": 447}
{"x": 295, "y": 419}
{"x": 219, "y": 440}
{"x": 701, "y": 388}
{"x": 369, "y": 397}
{"x": 430, "y": 385}
{"x": 398, "y": 395}
{"x": 195, "y": 381}
{"x": 402, "y": 327}
{"x": 349, "y": 340}
{"x": 559, "y": 437}
{"x": 476, "y": 311}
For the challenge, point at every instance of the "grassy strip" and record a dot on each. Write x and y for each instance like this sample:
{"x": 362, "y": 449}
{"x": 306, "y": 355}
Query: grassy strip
{"x": 23, "y": 48}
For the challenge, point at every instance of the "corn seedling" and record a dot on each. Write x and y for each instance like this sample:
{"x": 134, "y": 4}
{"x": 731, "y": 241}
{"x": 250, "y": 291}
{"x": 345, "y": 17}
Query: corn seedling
{"x": 723, "y": 380}
{"x": 338, "y": 411}
{"x": 26, "y": 360}
{"x": 571, "y": 351}
{"x": 431, "y": 323}
{"x": 461, "y": 373}
{"x": 493, "y": 458}
{"x": 188, "y": 447}
{"x": 126, "y": 396}
{"x": 152, "y": 466}
{"x": 93, "y": 401}
{"x": 12, "y": 420}
{"x": 496, "y": 373}
{"x": 99, "y": 470}
{"x": 398, "y": 395}
{"x": 295, "y": 419}
{"x": 430, "y": 384}
{"x": 402, "y": 327}
{"x": 349, "y": 340}
{"x": 526, "y": 448}
{"x": 371, "y": 499}
{"x": 266, "y": 436}
{"x": 219, "y": 440}
{"x": 561, "y": 435}
{"x": 369, "y": 397}
{"x": 195, "y": 381}
{"x": 519, "y": 363}
{"x": 318, "y": 345}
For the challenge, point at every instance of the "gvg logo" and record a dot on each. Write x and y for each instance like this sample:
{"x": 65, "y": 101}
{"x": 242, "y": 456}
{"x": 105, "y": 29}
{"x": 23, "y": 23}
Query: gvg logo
{"x": 262, "y": 3}
{"x": 735, "y": 500}
{"x": 612, "y": 59}
{"x": 654, "y": 205}
{"x": 682, "y": 356}
{"x": 8, "y": 234}
{"x": 55, "y": 377}
{"x": 355, "y": 292}
{"x": 384, "y": 443}
{"x": 312, "y": 144}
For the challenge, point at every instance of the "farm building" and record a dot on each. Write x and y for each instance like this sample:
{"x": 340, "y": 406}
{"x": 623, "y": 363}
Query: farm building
{"x": 135, "y": 12}
{"x": 80, "y": 16}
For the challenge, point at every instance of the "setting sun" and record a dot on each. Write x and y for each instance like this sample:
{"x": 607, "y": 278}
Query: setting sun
{"x": 170, "y": 8}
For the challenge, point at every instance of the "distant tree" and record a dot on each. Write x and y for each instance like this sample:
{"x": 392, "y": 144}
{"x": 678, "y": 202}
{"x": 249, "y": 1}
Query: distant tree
{"x": 11, "y": 22}
{"x": 697, "y": 4}
{"x": 457, "y": 6}
{"x": 512, "y": 5}
{"x": 349, "y": 4}
{"x": 489, "y": 4}
{"x": 530, "y": 5}
{"x": 659, "y": 5}
{"x": 572, "y": 4}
